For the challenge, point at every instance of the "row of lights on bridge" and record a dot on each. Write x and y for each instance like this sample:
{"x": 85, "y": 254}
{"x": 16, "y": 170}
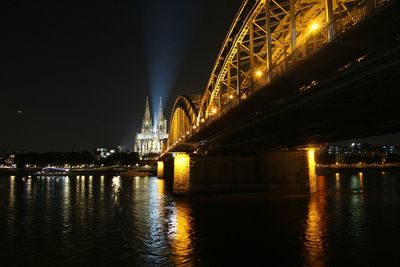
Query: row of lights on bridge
{"x": 258, "y": 74}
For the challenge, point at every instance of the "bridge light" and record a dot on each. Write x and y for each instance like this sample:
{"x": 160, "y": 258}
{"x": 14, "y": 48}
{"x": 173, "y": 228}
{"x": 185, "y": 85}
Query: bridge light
{"x": 214, "y": 110}
{"x": 314, "y": 26}
{"x": 259, "y": 73}
{"x": 187, "y": 132}
{"x": 230, "y": 96}
{"x": 194, "y": 126}
{"x": 202, "y": 120}
{"x": 311, "y": 170}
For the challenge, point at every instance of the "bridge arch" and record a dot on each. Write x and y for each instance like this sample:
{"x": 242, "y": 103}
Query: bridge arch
{"x": 268, "y": 37}
{"x": 184, "y": 117}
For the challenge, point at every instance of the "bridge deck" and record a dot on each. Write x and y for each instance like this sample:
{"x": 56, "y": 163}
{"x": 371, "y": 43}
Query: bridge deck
{"x": 354, "y": 94}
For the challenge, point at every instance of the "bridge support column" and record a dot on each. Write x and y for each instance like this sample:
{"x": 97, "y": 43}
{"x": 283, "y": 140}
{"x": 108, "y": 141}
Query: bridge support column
{"x": 274, "y": 172}
{"x": 287, "y": 171}
{"x": 182, "y": 179}
{"x": 160, "y": 169}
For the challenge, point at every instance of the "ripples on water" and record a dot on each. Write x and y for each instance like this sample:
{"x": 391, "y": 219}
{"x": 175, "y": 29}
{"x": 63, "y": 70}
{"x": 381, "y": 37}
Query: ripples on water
{"x": 354, "y": 219}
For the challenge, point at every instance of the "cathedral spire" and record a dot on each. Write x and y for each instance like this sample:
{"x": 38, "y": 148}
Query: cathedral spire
{"x": 162, "y": 122}
{"x": 147, "y": 117}
{"x": 153, "y": 138}
{"x": 146, "y": 124}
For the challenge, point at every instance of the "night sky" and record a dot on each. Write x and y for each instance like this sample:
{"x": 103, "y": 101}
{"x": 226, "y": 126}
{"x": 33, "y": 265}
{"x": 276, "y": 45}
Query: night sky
{"x": 80, "y": 71}
{"x": 75, "y": 74}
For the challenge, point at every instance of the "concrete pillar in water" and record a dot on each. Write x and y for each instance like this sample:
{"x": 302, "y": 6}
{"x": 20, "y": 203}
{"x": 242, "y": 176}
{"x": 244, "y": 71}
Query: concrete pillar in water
{"x": 312, "y": 176}
{"x": 276, "y": 172}
{"x": 160, "y": 169}
{"x": 181, "y": 174}
{"x": 284, "y": 171}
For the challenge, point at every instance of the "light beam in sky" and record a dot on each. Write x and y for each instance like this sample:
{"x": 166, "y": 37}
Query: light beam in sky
{"x": 168, "y": 28}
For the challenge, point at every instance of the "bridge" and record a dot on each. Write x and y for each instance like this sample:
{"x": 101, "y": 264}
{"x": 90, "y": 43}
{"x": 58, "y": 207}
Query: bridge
{"x": 289, "y": 75}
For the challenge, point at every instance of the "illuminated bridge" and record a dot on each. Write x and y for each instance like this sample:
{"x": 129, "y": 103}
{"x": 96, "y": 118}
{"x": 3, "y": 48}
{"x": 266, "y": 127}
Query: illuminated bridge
{"x": 290, "y": 74}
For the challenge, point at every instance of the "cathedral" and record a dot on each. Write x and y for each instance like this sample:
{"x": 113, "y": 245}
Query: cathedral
{"x": 153, "y": 137}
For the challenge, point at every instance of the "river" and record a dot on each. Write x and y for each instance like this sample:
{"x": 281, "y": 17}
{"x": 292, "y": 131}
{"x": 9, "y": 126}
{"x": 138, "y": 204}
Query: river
{"x": 353, "y": 220}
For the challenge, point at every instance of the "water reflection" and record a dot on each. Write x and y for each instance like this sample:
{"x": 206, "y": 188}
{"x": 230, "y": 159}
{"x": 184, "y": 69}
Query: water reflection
{"x": 129, "y": 221}
{"x": 361, "y": 180}
{"x": 181, "y": 241}
{"x": 66, "y": 204}
{"x": 337, "y": 180}
{"x": 356, "y": 216}
{"x": 28, "y": 187}
{"x": 90, "y": 187}
{"x": 116, "y": 186}
{"x": 316, "y": 229}
{"x": 157, "y": 215}
{"x": 11, "y": 197}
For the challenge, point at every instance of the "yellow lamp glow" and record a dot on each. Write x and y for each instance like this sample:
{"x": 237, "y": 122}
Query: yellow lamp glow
{"x": 259, "y": 73}
{"x": 314, "y": 26}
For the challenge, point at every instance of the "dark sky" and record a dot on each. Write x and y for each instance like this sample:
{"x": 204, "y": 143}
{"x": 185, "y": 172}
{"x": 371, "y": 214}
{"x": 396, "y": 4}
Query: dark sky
{"x": 79, "y": 71}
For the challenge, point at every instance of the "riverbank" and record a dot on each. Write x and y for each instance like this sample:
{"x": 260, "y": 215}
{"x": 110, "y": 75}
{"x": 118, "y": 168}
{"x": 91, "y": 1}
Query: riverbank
{"x": 122, "y": 171}
{"x": 321, "y": 170}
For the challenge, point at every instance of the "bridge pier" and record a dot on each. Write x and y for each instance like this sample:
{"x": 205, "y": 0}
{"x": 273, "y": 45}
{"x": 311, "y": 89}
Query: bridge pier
{"x": 160, "y": 169}
{"x": 274, "y": 172}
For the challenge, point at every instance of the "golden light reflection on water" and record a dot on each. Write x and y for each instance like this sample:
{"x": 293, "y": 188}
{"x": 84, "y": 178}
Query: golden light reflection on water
{"x": 90, "y": 187}
{"x": 11, "y": 194}
{"x": 361, "y": 180}
{"x": 66, "y": 202}
{"x": 102, "y": 185}
{"x": 29, "y": 188}
{"x": 137, "y": 182}
{"x": 82, "y": 193}
{"x": 181, "y": 241}
{"x": 337, "y": 177}
{"x": 315, "y": 233}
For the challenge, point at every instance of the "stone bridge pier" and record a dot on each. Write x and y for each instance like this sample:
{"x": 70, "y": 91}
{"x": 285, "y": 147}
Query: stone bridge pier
{"x": 273, "y": 172}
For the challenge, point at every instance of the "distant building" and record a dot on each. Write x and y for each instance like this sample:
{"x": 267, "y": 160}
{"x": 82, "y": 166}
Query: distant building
{"x": 152, "y": 137}
{"x": 104, "y": 152}
{"x": 363, "y": 153}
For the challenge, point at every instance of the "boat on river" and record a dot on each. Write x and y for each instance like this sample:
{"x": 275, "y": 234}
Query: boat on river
{"x": 52, "y": 171}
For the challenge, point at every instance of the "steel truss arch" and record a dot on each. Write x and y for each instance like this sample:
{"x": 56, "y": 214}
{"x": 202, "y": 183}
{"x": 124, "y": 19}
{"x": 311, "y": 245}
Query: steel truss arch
{"x": 268, "y": 36}
{"x": 183, "y": 117}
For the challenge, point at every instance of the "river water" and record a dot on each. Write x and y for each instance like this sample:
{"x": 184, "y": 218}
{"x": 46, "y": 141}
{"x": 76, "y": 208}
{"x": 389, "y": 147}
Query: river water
{"x": 353, "y": 220}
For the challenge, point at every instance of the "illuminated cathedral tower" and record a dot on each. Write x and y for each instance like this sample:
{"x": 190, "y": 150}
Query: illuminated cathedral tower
{"x": 152, "y": 138}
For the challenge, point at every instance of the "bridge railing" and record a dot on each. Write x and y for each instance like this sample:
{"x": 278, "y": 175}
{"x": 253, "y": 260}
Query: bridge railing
{"x": 342, "y": 23}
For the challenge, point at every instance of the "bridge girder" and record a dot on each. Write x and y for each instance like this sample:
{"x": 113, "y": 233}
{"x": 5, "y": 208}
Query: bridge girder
{"x": 269, "y": 36}
{"x": 183, "y": 117}
{"x": 265, "y": 42}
